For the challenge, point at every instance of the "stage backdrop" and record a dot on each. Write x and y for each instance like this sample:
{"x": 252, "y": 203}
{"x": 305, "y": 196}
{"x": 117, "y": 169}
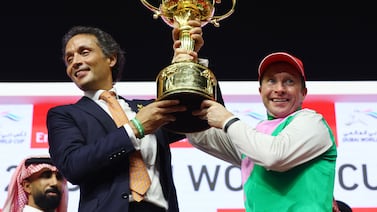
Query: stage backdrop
{"x": 204, "y": 183}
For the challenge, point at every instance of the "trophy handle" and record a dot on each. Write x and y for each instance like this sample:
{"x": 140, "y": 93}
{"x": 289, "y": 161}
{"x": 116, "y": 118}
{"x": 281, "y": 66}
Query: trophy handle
{"x": 215, "y": 19}
{"x": 155, "y": 10}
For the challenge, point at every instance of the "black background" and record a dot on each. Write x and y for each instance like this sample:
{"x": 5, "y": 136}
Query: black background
{"x": 336, "y": 42}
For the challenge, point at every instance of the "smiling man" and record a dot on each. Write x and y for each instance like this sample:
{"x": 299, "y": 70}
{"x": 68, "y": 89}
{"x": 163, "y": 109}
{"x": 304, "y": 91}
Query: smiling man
{"x": 37, "y": 185}
{"x": 287, "y": 161}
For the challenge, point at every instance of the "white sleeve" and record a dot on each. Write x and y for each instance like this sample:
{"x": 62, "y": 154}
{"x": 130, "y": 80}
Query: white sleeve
{"x": 216, "y": 143}
{"x": 305, "y": 138}
{"x": 132, "y": 136}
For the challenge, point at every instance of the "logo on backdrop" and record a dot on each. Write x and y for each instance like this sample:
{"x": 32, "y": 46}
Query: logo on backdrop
{"x": 15, "y": 123}
{"x": 358, "y": 122}
{"x": 39, "y": 133}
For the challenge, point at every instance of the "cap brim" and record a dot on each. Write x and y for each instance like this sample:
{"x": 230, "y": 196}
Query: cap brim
{"x": 280, "y": 57}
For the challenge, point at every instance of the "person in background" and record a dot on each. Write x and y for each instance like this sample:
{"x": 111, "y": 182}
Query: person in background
{"x": 37, "y": 185}
{"x": 94, "y": 152}
{"x": 287, "y": 161}
{"x": 340, "y": 206}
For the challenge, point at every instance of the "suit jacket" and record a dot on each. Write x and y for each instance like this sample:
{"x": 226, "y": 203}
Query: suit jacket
{"x": 90, "y": 151}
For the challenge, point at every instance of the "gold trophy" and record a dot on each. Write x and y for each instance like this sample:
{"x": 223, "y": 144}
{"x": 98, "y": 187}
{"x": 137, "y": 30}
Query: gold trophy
{"x": 187, "y": 81}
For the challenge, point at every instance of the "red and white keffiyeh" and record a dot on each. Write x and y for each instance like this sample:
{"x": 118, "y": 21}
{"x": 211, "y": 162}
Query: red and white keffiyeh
{"x": 17, "y": 197}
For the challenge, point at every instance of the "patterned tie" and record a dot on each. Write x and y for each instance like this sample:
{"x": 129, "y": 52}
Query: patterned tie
{"x": 139, "y": 178}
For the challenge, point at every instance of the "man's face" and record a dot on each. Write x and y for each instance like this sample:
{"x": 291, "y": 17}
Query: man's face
{"x": 44, "y": 189}
{"x": 87, "y": 66}
{"x": 281, "y": 89}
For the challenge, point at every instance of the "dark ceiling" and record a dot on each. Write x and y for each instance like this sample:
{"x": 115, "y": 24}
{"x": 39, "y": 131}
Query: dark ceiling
{"x": 335, "y": 43}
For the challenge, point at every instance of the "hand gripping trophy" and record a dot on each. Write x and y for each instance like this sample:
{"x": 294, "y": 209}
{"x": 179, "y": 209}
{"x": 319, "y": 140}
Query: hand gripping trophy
{"x": 187, "y": 81}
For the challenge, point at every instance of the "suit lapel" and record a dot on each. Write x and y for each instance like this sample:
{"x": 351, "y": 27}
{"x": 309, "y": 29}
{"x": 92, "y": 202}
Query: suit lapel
{"x": 89, "y": 106}
{"x": 136, "y": 105}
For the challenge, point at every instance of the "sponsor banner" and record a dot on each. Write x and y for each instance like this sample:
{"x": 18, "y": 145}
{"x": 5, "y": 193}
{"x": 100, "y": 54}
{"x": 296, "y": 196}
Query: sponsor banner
{"x": 357, "y": 145}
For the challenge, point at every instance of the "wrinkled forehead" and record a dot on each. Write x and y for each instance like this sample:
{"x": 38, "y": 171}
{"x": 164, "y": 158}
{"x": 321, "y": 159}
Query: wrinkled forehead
{"x": 80, "y": 41}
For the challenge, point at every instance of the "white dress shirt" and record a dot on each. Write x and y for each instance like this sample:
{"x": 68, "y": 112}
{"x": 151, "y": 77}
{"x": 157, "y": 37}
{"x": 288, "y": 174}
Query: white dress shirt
{"x": 147, "y": 145}
{"x": 28, "y": 208}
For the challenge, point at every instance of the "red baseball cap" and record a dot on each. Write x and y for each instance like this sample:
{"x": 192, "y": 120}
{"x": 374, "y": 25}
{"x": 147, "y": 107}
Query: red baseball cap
{"x": 281, "y": 57}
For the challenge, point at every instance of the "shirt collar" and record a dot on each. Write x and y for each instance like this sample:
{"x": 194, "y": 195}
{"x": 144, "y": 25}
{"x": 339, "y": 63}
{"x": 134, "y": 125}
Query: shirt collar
{"x": 95, "y": 94}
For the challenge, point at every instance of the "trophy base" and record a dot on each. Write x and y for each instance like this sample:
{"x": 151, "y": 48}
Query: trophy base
{"x": 185, "y": 122}
{"x": 190, "y": 83}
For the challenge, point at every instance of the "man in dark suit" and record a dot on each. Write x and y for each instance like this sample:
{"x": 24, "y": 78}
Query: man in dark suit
{"x": 87, "y": 146}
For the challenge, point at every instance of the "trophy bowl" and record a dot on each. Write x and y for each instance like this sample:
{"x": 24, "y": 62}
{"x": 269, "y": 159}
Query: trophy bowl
{"x": 187, "y": 81}
{"x": 190, "y": 83}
